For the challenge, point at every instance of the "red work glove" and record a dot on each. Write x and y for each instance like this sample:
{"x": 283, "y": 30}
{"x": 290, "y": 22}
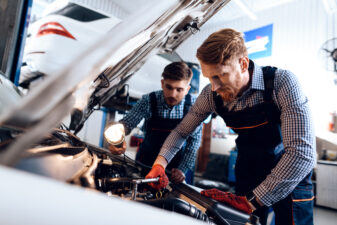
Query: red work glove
{"x": 237, "y": 202}
{"x": 158, "y": 171}
{"x": 177, "y": 176}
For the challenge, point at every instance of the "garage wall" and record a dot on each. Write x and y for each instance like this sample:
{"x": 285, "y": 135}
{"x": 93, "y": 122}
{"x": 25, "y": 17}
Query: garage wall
{"x": 91, "y": 131}
{"x": 299, "y": 29}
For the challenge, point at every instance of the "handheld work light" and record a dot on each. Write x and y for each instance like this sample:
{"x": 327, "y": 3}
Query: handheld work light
{"x": 115, "y": 134}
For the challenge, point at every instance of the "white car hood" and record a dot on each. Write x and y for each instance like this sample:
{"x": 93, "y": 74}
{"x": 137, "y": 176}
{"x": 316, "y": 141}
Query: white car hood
{"x": 134, "y": 40}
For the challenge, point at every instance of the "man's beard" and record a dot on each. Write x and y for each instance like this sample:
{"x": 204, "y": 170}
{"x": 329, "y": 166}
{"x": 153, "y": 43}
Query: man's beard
{"x": 228, "y": 94}
{"x": 171, "y": 101}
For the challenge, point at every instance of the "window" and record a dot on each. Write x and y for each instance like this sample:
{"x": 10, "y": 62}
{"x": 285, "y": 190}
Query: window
{"x": 79, "y": 13}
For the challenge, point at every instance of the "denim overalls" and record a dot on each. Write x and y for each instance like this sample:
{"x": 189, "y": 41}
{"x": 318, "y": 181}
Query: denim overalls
{"x": 157, "y": 129}
{"x": 260, "y": 148}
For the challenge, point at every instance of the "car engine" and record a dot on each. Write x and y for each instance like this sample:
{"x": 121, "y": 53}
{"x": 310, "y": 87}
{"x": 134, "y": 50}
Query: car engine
{"x": 63, "y": 156}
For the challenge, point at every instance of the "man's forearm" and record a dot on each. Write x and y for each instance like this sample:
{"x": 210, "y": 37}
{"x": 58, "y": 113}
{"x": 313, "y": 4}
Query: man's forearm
{"x": 161, "y": 161}
{"x": 190, "y": 154}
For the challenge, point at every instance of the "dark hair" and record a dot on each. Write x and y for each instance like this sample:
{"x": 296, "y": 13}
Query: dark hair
{"x": 177, "y": 71}
{"x": 222, "y": 46}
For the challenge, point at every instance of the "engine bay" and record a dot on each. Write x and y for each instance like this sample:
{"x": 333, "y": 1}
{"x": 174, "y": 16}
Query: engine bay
{"x": 63, "y": 156}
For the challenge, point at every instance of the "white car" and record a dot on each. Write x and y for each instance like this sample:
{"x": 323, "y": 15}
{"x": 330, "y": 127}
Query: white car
{"x": 66, "y": 29}
{"x": 61, "y": 35}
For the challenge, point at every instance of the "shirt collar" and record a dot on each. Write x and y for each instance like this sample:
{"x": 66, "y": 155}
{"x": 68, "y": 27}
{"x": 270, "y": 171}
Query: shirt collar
{"x": 257, "y": 77}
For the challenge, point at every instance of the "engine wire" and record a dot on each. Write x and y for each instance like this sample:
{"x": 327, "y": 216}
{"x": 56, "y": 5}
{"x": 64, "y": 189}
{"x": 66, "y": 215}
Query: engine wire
{"x": 125, "y": 157}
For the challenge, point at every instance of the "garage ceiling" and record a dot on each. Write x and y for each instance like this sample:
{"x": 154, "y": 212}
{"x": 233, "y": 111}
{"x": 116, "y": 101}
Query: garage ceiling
{"x": 231, "y": 11}
{"x": 236, "y": 8}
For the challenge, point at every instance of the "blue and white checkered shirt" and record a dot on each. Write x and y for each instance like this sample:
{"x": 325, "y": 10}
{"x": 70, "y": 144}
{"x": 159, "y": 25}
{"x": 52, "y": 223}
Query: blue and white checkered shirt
{"x": 142, "y": 110}
{"x": 296, "y": 127}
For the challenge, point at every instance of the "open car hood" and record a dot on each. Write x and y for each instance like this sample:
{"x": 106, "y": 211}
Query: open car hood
{"x": 121, "y": 52}
{"x": 42, "y": 149}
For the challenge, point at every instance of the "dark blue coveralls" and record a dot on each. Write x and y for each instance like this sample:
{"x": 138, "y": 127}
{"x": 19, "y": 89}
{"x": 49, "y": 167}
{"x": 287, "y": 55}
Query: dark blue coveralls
{"x": 156, "y": 131}
{"x": 260, "y": 148}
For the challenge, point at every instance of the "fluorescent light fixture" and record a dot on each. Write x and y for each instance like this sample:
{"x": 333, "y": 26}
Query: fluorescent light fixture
{"x": 244, "y": 8}
{"x": 278, "y": 3}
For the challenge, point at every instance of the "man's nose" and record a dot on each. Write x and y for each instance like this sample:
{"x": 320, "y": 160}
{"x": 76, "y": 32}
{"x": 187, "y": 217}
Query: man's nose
{"x": 215, "y": 85}
{"x": 173, "y": 93}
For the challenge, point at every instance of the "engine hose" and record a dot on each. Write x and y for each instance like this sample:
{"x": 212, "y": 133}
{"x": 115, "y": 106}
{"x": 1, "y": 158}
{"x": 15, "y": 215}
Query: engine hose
{"x": 179, "y": 206}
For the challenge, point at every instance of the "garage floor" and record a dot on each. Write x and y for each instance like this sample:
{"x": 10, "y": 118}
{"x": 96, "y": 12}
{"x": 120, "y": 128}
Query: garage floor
{"x": 325, "y": 216}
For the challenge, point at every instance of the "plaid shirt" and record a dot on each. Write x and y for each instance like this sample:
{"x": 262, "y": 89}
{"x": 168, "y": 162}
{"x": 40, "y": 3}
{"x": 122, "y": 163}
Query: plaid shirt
{"x": 142, "y": 110}
{"x": 296, "y": 127}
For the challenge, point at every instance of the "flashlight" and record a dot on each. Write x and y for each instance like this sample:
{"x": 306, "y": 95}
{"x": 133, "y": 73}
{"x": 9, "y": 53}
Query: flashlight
{"x": 115, "y": 134}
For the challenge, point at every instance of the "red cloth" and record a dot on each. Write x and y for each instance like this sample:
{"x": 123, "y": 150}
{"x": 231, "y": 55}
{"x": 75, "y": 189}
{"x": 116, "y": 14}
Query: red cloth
{"x": 237, "y": 202}
{"x": 158, "y": 171}
{"x": 135, "y": 141}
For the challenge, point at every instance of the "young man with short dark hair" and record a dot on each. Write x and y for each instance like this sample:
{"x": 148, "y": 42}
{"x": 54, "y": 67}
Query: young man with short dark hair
{"x": 162, "y": 111}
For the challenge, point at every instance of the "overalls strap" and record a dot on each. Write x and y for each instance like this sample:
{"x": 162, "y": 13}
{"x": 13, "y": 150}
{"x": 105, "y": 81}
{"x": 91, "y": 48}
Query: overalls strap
{"x": 268, "y": 77}
{"x": 188, "y": 104}
{"x": 153, "y": 104}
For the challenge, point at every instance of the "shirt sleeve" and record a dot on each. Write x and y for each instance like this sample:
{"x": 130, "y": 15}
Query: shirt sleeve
{"x": 298, "y": 140}
{"x": 191, "y": 150}
{"x": 199, "y": 111}
{"x": 136, "y": 114}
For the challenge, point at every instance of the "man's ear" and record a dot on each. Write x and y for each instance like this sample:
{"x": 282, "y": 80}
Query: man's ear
{"x": 162, "y": 83}
{"x": 244, "y": 64}
{"x": 188, "y": 89}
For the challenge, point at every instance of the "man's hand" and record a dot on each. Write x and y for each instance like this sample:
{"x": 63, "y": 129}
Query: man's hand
{"x": 158, "y": 171}
{"x": 117, "y": 150}
{"x": 177, "y": 176}
{"x": 237, "y": 202}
